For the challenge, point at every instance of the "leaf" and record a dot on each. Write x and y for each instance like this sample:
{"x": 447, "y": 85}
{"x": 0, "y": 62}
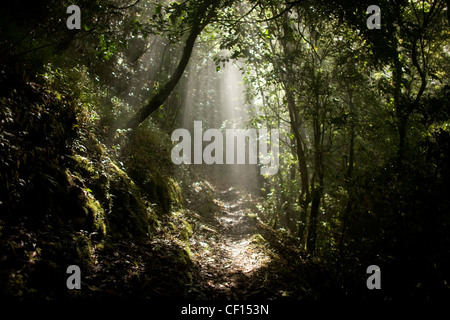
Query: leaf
{"x": 157, "y": 9}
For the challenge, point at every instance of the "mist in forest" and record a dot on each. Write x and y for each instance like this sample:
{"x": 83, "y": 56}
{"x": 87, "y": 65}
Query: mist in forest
{"x": 223, "y": 91}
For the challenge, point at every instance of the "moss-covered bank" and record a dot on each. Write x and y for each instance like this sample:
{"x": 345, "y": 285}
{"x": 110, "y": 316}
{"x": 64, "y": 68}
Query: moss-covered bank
{"x": 66, "y": 199}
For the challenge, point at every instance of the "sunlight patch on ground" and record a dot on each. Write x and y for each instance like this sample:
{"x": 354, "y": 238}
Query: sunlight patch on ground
{"x": 243, "y": 256}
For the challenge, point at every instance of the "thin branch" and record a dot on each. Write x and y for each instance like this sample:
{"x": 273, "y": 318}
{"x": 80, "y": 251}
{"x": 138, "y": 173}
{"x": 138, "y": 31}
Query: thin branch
{"x": 124, "y": 8}
{"x": 291, "y": 5}
{"x": 245, "y": 15}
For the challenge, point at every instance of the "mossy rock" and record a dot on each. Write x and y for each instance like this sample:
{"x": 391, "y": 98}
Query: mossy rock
{"x": 158, "y": 189}
{"x": 83, "y": 251}
{"x": 181, "y": 225}
{"x": 70, "y": 249}
{"x": 175, "y": 194}
{"x": 200, "y": 198}
{"x": 82, "y": 165}
{"x": 96, "y": 216}
{"x": 128, "y": 217}
{"x": 184, "y": 257}
{"x": 111, "y": 202}
{"x": 187, "y": 231}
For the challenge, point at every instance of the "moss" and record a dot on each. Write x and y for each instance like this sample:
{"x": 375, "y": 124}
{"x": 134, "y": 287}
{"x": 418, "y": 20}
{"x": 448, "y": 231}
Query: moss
{"x": 93, "y": 146}
{"x": 157, "y": 189}
{"x": 129, "y": 217}
{"x": 112, "y": 203}
{"x": 171, "y": 226}
{"x": 251, "y": 214}
{"x": 175, "y": 195}
{"x": 82, "y": 165}
{"x": 184, "y": 257}
{"x": 182, "y": 226}
{"x": 96, "y": 215}
{"x": 83, "y": 251}
{"x": 258, "y": 240}
{"x": 185, "y": 233}
{"x": 188, "y": 229}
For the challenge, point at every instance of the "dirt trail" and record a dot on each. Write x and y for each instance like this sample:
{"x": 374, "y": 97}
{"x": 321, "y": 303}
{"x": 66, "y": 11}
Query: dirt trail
{"x": 225, "y": 253}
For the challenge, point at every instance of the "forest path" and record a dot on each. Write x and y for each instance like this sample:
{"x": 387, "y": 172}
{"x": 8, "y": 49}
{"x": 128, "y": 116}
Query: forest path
{"x": 226, "y": 252}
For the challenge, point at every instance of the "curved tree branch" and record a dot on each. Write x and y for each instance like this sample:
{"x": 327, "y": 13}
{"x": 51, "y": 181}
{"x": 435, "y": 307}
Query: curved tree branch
{"x": 158, "y": 99}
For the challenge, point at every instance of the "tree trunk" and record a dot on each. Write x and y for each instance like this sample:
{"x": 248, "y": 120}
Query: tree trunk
{"x": 317, "y": 193}
{"x": 448, "y": 10}
{"x": 348, "y": 175}
{"x": 399, "y": 108}
{"x": 351, "y": 151}
{"x": 304, "y": 198}
{"x": 313, "y": 220}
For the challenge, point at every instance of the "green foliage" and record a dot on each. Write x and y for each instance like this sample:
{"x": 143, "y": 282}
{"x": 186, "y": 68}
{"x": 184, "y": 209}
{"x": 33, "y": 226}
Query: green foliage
{"x": 37, "y": 129}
